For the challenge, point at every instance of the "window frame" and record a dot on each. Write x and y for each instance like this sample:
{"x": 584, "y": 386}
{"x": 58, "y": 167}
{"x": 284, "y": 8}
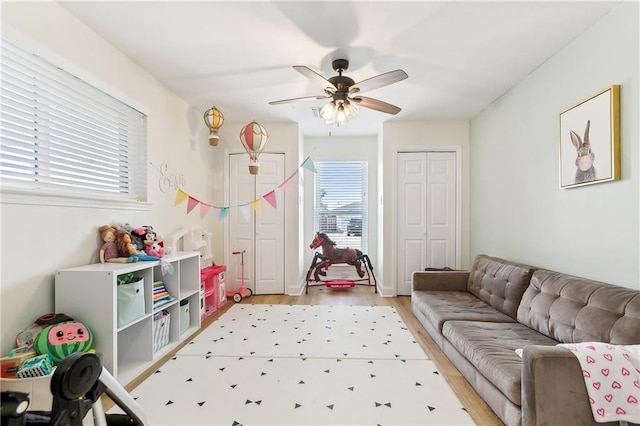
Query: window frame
{"x": 364, "y": 204}
{"x": 53, "y": 197}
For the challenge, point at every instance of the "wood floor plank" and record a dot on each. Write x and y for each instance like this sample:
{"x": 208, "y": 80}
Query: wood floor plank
{"x": 475, "y": 406}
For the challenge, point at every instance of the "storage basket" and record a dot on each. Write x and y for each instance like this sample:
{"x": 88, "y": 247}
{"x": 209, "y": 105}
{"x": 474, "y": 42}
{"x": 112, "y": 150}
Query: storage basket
{"x": 38, "y": 388}
{"x": 161, "y": 325}
{"x": 130, "y": 302}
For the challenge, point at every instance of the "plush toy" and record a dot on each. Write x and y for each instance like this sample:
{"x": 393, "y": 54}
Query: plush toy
{"x": 124, "y": 244}
{"x": 152, "y": 246}
{"x": 27, "y": 336}
{"x": 60, "y": 340}
{"x": 137, "y": 235}
{"x": 109, "y": 251}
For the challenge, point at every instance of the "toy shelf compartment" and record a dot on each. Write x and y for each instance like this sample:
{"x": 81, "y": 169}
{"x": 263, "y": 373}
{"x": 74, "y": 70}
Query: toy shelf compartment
{"x": 89, "y": 294}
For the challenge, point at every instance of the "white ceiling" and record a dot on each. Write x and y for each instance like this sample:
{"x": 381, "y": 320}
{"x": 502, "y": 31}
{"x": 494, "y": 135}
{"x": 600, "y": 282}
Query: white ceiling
{"x": 238, "y": 55}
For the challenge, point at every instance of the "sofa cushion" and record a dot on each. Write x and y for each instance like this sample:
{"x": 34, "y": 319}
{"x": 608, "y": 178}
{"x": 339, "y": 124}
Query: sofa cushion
{"x": 491, "y": 346}
{"x": 499, "y": 283}
{"x": 441, "y": 306}
{"x": 572, "y": 309}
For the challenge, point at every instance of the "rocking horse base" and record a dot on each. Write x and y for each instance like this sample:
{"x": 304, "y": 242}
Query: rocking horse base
{"x": 340, "y": 284}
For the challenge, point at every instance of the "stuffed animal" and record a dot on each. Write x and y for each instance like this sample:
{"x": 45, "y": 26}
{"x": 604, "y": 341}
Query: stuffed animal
{"x": 109, "y": 251}
{"x": 137, "y": 236}
{"x": 60, "y": 340}
{"x": 26, "y": 337}
{"x": 152, "y": 246}
{"x": 124, "y": 244}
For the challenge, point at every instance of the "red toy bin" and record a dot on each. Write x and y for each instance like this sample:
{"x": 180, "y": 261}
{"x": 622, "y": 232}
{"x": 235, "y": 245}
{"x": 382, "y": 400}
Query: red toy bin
{"x": 215, "y": 296}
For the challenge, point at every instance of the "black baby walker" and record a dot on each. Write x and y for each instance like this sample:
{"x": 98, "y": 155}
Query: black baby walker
{"x": 76, "y": 385}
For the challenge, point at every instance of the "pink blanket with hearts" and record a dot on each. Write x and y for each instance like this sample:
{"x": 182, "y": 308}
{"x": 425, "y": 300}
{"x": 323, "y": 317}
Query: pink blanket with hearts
{"x": 612, "y": 376}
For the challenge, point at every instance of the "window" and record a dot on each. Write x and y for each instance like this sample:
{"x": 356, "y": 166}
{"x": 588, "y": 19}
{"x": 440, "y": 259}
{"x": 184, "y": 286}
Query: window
{"x": 340, "y": 205}
{"x": 62, "y": 136}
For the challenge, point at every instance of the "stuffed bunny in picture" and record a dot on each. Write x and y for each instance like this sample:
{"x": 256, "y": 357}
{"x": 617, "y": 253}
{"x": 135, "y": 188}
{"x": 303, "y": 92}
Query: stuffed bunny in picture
{"x": 585, "y": 171}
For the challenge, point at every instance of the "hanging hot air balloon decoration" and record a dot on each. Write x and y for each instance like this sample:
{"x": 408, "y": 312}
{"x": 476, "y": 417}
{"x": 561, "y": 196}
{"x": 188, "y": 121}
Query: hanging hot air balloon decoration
{"x": 213, "y": 118}
{"x": 254, "y": 139}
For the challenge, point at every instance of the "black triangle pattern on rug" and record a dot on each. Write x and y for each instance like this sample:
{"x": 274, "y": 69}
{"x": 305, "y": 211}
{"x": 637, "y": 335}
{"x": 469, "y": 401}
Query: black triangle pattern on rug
{"x": 346, "y": 373}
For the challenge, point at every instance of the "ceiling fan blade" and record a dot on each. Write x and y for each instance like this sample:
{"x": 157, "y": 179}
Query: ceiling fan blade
{"x": 376, "y": 104}
{"x": 378, "y": 81}
{"x": 315, "y": 77}
{"x": 304, "y": 98}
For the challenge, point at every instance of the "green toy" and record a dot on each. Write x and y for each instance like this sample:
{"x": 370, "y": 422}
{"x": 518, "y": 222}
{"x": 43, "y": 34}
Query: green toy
{"x": 60, "y": 340}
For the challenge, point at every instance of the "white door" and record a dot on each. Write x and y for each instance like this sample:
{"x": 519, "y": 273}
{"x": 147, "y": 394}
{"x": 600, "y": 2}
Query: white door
{"x": 260, "y": 233}
{"x": 426, "y": 194}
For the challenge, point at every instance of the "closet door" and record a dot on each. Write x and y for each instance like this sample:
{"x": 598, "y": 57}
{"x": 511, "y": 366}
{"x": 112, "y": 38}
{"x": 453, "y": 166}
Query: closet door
{"x": 260, "y": 234}
{"x": 241, "y": 228}
{"x": 269, "y": 228}
{"x": 426, "y": 200}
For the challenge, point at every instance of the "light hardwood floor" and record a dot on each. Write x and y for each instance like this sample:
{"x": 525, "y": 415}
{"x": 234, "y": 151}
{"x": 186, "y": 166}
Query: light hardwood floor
{"x": 475, "y": 406}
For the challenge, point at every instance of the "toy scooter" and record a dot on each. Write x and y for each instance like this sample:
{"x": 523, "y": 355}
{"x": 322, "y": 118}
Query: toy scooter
{"x": 243, "y": 291}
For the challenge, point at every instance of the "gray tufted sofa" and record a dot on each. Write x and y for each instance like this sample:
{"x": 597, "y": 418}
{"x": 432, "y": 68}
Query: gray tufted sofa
{"x": 479, "y": 317}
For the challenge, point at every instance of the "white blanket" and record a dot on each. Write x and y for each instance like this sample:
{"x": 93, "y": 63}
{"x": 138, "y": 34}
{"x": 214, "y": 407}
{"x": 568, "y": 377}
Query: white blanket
{"x": 612, "y": 377}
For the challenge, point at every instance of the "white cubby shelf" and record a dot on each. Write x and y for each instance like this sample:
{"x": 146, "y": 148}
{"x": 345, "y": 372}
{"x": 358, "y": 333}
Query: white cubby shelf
{"x": 89, "y": 295}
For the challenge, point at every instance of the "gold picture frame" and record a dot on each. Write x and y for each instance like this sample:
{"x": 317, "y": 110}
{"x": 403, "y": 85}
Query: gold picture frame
{"x": 590, "y": 140}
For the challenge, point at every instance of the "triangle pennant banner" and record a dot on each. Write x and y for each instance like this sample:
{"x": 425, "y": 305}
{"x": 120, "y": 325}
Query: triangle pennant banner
{"x": 224, "y": 211}
{"x": 286, "y": 185}
{"x": 244, "y": 209}
{"x": 192, "y": 204}
{"x": 204, "y": 209}
{"x": 180, "y": 197}
{"x": 257, "y": 205}
{"x": 308, "y": 164}
{"x": 271, "y": 199}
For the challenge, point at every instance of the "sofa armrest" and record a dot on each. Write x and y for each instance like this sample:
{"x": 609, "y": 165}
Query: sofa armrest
{"x": 440, "y": 280}
{"x": 553, "y": 389}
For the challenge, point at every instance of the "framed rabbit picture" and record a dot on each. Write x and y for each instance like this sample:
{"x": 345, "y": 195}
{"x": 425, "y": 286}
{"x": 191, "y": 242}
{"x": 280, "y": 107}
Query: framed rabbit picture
{"x": 590, "y": 140}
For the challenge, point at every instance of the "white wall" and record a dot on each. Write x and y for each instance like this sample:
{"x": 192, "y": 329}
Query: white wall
{"x": 517, "y": 209}
{"x": 418, "y": 135}
{"x": 39, "y": 239}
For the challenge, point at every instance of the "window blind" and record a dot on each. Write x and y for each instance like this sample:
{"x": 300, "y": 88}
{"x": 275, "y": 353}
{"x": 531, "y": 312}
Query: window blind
{"x": 340, "y": 202}
{"x": 61, "y": 135}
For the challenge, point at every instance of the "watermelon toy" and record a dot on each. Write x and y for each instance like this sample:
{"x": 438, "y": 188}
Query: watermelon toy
{"x": 60, "y": 340}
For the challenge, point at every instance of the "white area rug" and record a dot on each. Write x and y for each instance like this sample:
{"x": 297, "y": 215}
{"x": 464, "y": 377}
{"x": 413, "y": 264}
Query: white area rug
{"x": 301, "y": 365}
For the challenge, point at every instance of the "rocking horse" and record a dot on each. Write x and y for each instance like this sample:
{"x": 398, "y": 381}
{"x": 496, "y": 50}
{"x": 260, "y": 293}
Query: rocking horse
{"x": 334, "y": 255}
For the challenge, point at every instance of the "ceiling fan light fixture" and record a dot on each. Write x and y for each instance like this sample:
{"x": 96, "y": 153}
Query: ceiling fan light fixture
{"x": 351, "y": 109}
{"x": 341, "y": 115}
{"x": 328, "y": 111}
{"x": 340, "y": 87}
{"x": 339, "y": 111}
